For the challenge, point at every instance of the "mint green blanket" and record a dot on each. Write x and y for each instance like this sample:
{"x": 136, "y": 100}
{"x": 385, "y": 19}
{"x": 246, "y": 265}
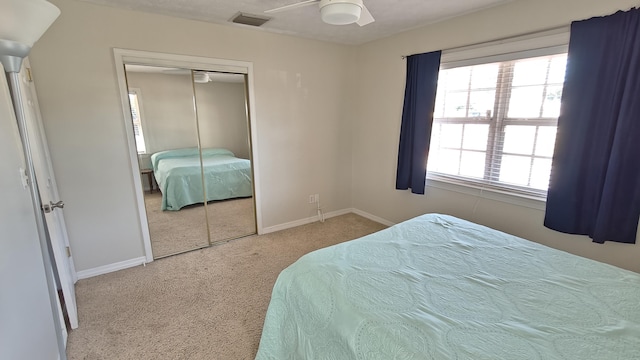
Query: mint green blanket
{"x": 180, "y": 179}
{"x": 437, "y": 287}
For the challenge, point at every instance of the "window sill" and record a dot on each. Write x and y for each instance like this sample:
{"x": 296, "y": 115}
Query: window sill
{"x": 537, "y": 203}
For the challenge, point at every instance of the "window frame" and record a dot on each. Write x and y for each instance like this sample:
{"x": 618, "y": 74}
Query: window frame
{"x": 552, "y": 42}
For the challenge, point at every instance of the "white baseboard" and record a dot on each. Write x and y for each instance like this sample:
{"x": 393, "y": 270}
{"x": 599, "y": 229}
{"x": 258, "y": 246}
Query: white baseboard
{"x": 372, "y": 217}
{"x": 100, "y": 270}
{"x": 312, "y": 219}
{"x": 84, "y": 274}
{"x": 305, "y": 221}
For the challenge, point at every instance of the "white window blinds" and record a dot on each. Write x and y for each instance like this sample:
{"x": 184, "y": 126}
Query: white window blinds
{"x": 495, "y": 123}
{"x": 134, "y": 102}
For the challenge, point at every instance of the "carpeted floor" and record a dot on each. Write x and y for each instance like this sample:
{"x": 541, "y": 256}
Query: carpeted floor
{"x": 173, "y": 232}
{"x": 205, "y": 304}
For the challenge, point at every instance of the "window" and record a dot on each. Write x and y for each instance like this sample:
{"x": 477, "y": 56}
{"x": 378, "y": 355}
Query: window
{"x": 137, "y": 121}
{"x": 495, "y": 124}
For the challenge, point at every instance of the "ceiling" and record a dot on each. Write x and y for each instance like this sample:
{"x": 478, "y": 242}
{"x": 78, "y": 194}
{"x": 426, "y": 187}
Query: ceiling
{"x": 392, "y": 16}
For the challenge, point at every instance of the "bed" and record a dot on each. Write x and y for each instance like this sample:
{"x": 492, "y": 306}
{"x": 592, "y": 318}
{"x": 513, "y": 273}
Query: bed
{"x": 179, "y": 178}
{"x": 437, "y": 287}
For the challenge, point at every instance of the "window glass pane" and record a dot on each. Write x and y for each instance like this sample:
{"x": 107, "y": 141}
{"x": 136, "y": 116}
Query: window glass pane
{"x": 557, "y": 69}
{"x": 447, "y": 162}
{"x": 485, "y": 76}
{"x": 458, "y": 78}
{"x": 472, "y": 164}
{"x": 434, "y": 143}
{"x": 434, "y": 159}
{"x": 515, "y": 169}
{"x": 525, "y": 102}
{"x": 455, "y": 104}
{"x": 546, "y": 141}
{"x": 530, "y": 72}
{"x": 481, "y": 103}
{"x": 540, "y": 173}
{"x": 551, "y": 105}
{"x": 475, "y": 137}
{"x": 518, "y": 139}
{"x": 451, "y": 136}
{"x": 438, "y": 111}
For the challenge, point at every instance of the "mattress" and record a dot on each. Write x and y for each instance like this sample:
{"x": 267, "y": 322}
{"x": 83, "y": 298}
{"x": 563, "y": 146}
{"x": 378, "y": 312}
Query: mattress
{"x": 438, "y": 287}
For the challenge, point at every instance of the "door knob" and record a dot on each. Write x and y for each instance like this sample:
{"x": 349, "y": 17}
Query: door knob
{"x": 52, "y": 205}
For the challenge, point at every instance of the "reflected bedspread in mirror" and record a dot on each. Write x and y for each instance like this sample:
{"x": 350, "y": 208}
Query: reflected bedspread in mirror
{"x": 180, "y": 179}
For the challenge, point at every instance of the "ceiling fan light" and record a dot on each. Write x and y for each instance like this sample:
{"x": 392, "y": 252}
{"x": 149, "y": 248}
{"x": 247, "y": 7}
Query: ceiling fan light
{"x": 340, "y": 13}
{"x": 200, "y": 77}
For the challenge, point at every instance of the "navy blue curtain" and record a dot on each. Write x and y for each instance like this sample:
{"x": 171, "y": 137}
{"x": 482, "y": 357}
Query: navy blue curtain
{"x": 417, "y": 117}
{"x": 595, "y": 177}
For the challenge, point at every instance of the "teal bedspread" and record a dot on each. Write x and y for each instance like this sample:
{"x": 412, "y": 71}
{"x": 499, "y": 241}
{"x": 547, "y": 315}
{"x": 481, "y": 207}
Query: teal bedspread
{"x": 437, "y": 287}
{"x": 178, "y": 175}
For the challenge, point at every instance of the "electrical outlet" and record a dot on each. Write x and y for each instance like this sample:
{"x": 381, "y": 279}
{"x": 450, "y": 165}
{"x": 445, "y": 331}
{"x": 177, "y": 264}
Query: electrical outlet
{"x": 312, "y": 199}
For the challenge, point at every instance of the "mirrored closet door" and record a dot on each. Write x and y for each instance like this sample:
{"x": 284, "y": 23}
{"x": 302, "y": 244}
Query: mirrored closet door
{"x": 191, "y": 134}
{"x": 221, "y": 108}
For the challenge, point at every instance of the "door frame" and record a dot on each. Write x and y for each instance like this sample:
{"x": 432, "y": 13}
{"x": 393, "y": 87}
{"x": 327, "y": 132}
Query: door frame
{"x": 138, "y": 57}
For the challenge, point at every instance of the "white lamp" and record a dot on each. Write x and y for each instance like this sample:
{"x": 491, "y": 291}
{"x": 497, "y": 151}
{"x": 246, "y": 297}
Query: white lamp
{"x": 340, "y": 12}
{"x": 22, "y": 23}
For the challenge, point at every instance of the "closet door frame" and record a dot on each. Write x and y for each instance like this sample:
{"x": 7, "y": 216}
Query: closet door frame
{"x": 124, "y": 57}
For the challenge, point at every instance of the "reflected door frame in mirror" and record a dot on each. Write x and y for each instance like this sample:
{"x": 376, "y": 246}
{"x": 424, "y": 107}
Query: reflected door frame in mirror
{"x": 131, "y": 57}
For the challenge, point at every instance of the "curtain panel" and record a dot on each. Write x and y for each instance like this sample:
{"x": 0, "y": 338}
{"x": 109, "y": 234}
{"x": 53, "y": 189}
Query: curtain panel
{"x": 417, "y": 118}
{"x": 595, "y": 176}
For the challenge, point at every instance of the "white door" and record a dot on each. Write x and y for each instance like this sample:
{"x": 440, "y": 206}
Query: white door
{"x": 27, "y": 325}
{"x": 49, "y": 194}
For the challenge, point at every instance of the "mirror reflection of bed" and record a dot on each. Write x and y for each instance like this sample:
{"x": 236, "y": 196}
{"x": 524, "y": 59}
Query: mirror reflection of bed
{"x": 188, "y": 153}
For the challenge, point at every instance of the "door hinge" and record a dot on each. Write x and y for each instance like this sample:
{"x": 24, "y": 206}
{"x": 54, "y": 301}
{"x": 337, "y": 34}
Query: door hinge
{"x": 68, "y": 251}
{"x": 29, "y": 77}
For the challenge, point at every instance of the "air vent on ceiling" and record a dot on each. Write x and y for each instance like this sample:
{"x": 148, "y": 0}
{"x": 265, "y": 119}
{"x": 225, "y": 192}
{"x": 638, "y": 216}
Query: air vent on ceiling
{"x": 250, "y": 19}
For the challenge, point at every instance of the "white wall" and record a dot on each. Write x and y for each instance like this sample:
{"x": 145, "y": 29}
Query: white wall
{"x": 222, "y": 117}
{"x": 381, "y": 76}
{"x": 301, "y": 89}
{"x": 27, "y": 329}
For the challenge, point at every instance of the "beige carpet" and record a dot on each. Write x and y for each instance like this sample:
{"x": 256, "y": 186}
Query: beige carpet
{"x": 205, "y": 304}
{"x": 173, "y": 232}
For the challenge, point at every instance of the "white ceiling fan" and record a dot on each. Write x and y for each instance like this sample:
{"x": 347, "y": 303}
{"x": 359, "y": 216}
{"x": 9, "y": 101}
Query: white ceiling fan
{"x": 335, "y": 12}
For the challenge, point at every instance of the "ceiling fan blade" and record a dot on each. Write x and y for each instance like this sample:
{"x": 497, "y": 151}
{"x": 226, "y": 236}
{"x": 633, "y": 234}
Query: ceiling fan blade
{"x": 292, "y": 6}
{"x": 365, "y": 17}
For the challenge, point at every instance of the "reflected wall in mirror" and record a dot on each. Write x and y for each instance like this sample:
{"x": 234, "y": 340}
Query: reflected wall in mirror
{"x": 178, "y": 153}
{"x": 224, "y": 136}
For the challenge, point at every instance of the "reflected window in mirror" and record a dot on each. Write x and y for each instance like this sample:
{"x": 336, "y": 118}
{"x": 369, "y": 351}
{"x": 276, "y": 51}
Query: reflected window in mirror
{"x": 136, "y": 115}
